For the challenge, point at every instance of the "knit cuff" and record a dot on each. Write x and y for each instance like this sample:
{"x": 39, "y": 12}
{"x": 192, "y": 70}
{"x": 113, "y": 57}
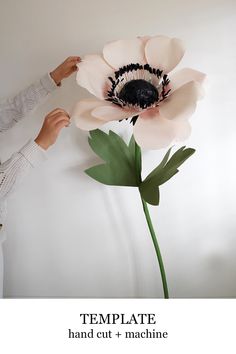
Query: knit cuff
{"x": 33, "y": 153}
{"x": 48, "y": 83}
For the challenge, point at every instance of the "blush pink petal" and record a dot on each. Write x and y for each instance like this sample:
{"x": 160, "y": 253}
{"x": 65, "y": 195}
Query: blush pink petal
{"x": 123, "y": 52}
{"x": 181, "y": 104}
{"x": 181, "y": 77}
{"x": 164, "y": 53}
{"x": 151, "y": 131}
{"x": 111, "y": 112}
{"x": 182, "y": 130}
{"x": 144, "y": 39}
{"x": 93, "y": 75}
{"x": 82, "y": 114}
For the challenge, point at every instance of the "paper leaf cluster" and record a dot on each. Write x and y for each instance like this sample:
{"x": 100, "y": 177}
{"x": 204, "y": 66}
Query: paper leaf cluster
{"x": 123, "y": 165}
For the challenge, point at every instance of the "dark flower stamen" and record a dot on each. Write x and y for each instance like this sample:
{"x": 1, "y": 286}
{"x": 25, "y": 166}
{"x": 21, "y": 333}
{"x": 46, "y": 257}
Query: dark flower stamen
{"x": 139, "y": 86}
{"x": 134, "y": 119}
{"x": 139, "y": 92}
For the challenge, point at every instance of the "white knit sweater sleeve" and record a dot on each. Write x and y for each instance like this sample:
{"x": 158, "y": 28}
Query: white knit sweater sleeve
{"x": 14, "y": 109}
{"x": 11, "y": 111}
{"x": 13, "y": 170}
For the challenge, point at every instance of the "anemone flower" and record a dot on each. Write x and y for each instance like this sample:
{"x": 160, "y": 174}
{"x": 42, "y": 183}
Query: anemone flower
{"x": 133, "y": 79}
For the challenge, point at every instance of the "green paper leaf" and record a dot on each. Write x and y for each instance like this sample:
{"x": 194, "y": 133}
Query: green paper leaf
{"x": 150, "y": 193}
{"x": 160, "y": 166}
{"x": 149, "y": 188}
{"x": 136, "y": 152}
{"x": 171, "y": 168}
{"x": 120, "y": 166}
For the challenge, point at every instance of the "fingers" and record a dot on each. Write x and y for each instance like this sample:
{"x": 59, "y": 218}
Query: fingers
{"x": 57, "y": 110}
{"x": 56, "y": 116}
{"x": 72, "y": 65}
{"x": 59, "y": 117}
{"x": 65, "y": 69}
{"x": 72, "y": 70}
{"x": 53, "y": 123}
{"x": 61, "y": 124}
{"x": 71, "y": 62}
{"x": 74, "y": 59}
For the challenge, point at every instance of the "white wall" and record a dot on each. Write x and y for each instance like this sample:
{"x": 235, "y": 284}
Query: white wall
{"x": 69, "y": 236}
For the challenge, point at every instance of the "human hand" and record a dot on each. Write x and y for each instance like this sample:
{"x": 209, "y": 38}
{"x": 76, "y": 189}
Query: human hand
{"x": 65, "y": 69}
{"x": 53, "y": 123}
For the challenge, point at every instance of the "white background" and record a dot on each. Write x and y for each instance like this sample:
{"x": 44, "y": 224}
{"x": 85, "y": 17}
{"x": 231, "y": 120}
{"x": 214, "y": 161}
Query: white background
{"x": 69, "y": 236}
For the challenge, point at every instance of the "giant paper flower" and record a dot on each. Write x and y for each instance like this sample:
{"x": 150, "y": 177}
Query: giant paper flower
{"x": 131, "y": 80}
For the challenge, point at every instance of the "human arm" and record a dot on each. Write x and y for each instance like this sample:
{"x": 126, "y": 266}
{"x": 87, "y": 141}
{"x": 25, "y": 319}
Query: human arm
{"x": 16, "y": 108}
{"x": 33, "y": 153}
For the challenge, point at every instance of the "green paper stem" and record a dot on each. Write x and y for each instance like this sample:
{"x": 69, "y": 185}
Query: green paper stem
{"x": 149, "y": 222}
{"x": 157, "y": 249}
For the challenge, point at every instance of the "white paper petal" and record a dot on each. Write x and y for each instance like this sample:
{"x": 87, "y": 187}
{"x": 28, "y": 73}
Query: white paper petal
{"x": 93, "y": 75}
{"x": 144, "y": 39}
{"x": 153, "y": 131}
{"x": 82, "y": 114}
{"x": 182, "y": 131}
{"x": 123, "y": 52}
{"x": 181, "y": 77}
{"x": 164, "y": 53}
{"x": 111, "y": 112}
{"x": 181, "y": 104}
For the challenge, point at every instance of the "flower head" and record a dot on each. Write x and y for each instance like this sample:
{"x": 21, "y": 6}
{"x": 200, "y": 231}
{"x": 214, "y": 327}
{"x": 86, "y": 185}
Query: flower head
{"x": 131, "y": 80}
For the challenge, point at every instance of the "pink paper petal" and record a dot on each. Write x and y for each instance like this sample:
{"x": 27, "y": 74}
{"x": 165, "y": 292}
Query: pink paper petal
{"x": 181, "y": 77}
{"x": 93, "y": 75}
{"x": 181, "y": 104}
{"x": 144, "y": 39}
{"x": 152, "y": 131}
{"x": 111, "y": 112}
{"x": 123, "y": 52}
{"x": 82, "y": 114}
{"x": 182, "y": 131}
{"x": 164, "y": 52}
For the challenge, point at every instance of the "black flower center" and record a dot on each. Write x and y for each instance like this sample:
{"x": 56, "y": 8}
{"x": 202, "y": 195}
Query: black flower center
{"x": 139, "y": 92}
{"x": 138, "y": 87}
